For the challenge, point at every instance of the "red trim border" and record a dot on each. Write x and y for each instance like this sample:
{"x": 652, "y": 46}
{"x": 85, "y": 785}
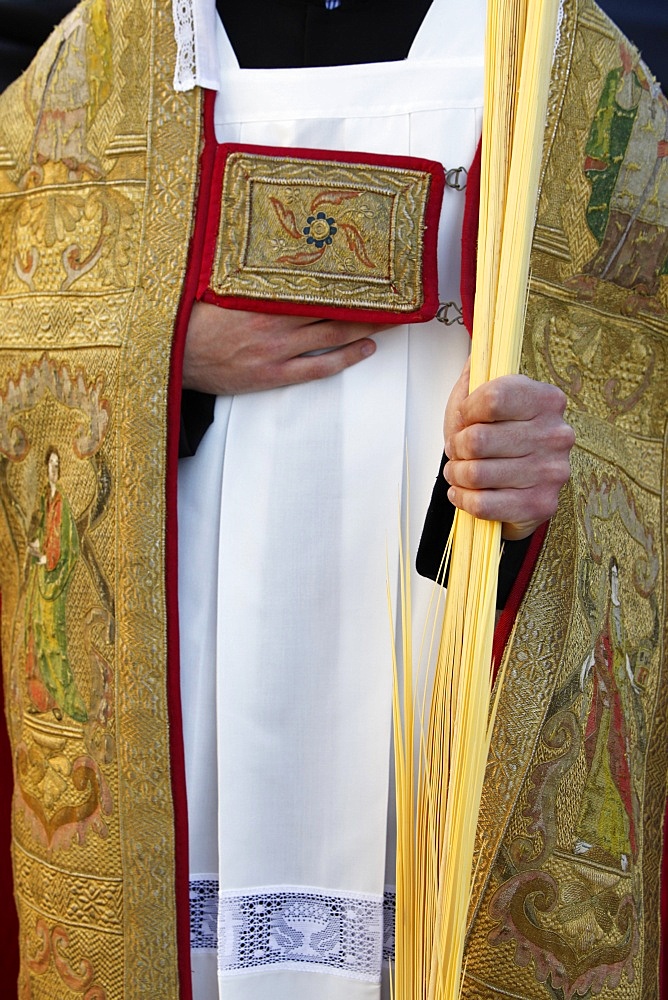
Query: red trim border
{"x": 663, "y": 914}
{"x": 178, "y": 775}
{"x": 506, "y": 621}
{"x": 470, "y": 239}
{"x": 9, "y": 924}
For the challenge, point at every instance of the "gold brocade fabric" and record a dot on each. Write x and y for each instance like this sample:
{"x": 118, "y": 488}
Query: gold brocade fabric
{"x": 566, "y": 902}
{"x": 98, "y": 163}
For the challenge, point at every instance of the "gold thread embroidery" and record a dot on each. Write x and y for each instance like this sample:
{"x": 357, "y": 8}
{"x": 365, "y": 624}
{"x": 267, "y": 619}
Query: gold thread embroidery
{"x": 98, "y": 172}
{"x": 321, "y": 232}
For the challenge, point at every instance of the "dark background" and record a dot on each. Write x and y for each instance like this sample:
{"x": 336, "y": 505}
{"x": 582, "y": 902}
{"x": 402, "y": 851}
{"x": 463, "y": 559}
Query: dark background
{"x": 24, "y": 24}
{"x": 645, "y": 22}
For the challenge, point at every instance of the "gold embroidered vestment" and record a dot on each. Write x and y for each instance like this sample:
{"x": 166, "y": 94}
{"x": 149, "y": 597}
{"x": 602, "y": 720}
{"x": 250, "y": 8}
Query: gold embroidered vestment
{"x": 98, "y": 184}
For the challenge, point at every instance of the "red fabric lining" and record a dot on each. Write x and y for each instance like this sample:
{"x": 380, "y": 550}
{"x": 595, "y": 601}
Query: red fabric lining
{"x": 663, "y": 916}
{"x": 182, "y": 868}
{"x": 9, "y": 925}
{"x": 505, "y": 623}
{"x": 470, "y": 240}
{"x": 432, "y": 214}
{"x": 277, "y": 307}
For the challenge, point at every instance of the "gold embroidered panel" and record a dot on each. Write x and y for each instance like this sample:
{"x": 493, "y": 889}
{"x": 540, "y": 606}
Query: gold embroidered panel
{"x": 323, "y": 232}
{"x": 98, "y": 164}
{"x": 570, "y": 839}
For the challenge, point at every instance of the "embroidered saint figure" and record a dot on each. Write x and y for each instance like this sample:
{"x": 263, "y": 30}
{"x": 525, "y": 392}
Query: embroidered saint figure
{"x": 70, "y": 80}
{"x": 606, "y": 827}
{"x": 627, "y": 190}
{"x": 53, "y": 552}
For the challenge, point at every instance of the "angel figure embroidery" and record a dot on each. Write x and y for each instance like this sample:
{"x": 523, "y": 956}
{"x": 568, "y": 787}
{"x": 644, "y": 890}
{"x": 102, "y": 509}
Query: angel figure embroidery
{"x": 53, "y": 553}
{"x": 606, "y": 827}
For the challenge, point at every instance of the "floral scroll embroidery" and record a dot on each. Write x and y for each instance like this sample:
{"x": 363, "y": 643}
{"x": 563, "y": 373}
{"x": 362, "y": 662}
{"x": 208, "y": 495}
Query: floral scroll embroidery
{"x": 66, "y": 220}
{"x": 320, "y": 230}
{"x": 53, "y": 945}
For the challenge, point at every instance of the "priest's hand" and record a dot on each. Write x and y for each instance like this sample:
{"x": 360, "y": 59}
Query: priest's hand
{"x": 508, "y": 448}
{"x": 229, "y": 351}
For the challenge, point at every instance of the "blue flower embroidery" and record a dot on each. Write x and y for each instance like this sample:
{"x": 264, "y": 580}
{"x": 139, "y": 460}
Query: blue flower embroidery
{"x": 320, "y": 230}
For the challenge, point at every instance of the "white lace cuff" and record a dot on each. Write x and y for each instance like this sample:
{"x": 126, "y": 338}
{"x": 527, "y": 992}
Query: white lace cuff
{"x": 195, "y": 32}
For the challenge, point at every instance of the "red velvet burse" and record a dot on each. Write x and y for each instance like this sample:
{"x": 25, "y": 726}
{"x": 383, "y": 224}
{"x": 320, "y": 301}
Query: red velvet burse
{"x": 255, "y": 278}
{"x": 201, "y": 258}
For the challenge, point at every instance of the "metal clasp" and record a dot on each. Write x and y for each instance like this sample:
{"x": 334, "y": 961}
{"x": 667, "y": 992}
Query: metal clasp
{"x": 444, "y": 314}
{"x": 456, "y": 178}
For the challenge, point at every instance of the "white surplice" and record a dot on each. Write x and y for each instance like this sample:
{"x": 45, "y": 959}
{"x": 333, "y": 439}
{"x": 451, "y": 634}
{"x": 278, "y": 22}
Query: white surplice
{"x": 288, "y": 520}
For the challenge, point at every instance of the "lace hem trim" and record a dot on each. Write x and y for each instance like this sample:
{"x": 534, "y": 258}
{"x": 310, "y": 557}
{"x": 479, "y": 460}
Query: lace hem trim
{"x": 284, "y": 927}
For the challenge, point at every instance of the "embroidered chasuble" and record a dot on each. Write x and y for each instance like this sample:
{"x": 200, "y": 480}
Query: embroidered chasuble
{"x": 106, "y": 182}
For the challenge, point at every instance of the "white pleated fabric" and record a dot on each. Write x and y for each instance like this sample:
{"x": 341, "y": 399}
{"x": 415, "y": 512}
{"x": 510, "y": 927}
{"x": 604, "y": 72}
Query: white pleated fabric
{"x": 288, "y": 523}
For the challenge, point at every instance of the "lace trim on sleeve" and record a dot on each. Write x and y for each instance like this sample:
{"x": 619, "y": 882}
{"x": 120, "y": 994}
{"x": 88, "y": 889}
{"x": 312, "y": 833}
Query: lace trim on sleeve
{"x": 185, "y": 73}
{"x": 560, "y": 21}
